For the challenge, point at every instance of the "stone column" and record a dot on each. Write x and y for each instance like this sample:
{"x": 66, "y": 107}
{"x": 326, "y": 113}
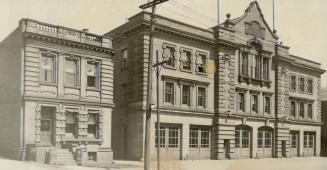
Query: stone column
{"x": 60, "y": 72}
{"x": 247, "y": 106}
{"x": 301, "y": 138}
{"x": 317, "y": 142}
{"x": 254, "y": 141}
{"x": 185, "y": 141}
{"x": 83, "y": 78}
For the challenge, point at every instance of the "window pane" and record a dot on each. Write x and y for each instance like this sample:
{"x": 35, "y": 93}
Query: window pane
{"x": 169, "y": 92}
{"x": 241, "y": 101}
{"x": 310, "y": 111}
{"x": 186, "y": 95}
{"x": 48, "y": 70}
{"x": 162, "y": 137}
{"x": 93, "y": 75}
{"x": 173, "y": 137}
{"x": 260, "y": 138}
{"x": 267, "y": 105}
{"x": 201, "y": 96}
{"x": 205, "y": 138}
{"x": 193, "y": 141}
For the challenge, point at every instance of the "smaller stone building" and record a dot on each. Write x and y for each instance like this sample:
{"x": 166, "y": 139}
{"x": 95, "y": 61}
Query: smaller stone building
{"x": 56, "y": 94}
{"x": 323, "y": 98}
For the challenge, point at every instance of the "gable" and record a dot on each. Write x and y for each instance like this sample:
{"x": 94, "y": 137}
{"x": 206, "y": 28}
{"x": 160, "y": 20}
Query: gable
{"x": 253, "y": 23}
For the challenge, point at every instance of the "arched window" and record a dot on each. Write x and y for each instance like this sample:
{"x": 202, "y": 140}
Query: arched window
{"x": 242, "y": 136}
{"x": 265, "y": 137}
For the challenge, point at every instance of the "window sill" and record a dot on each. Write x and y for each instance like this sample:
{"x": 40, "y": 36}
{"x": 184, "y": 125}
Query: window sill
{"x": 72, "y": 87}
{"x": 202, "y": 73}
{"x": 185, "y": 70}
{"x": 170, "y": 67}
{"x": 93, "y": 89}
{"x": 49, "y": 84}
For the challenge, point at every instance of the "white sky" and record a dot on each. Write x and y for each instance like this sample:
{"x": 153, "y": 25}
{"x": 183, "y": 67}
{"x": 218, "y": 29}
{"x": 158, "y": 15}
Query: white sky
{"x": 300, "y": 24}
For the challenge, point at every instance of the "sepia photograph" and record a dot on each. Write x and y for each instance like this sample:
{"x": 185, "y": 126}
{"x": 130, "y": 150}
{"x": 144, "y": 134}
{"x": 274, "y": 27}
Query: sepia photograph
{"x": 163, "y": 85}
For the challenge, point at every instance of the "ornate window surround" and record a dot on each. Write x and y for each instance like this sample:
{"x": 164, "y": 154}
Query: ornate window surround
{"x": 182, "y": 50}
{"x": 165, "y": 56}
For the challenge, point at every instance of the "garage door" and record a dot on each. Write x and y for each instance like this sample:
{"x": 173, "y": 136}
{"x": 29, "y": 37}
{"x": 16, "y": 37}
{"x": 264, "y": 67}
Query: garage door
{"x": 309, "y": 143}
{"x": 295, "y": 143}
{"x": 170, "y": 139}
{"x": 265, "y": 139}
{"x": 242, "y": 142}
{"x": 199, "y": 143}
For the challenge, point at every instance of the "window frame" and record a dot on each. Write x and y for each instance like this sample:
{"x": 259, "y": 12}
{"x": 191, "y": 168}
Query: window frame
{"x": 301, "y": 109}
{"x": 256, "y": 98}
{"x": 172, "y": 94}
{"x": 301, "y": 84}
{"x": 186, "y": 95}
{"x": 293, "y": 84}
{"x": 97, "y": 77}
{"x": 96, "y": 114}
{"x": 54, "y": 57}
{"x": 75, "y": 123}
{"x": 310, "y": 111}
{"x": 267, "y": 108}
{"x": 77, "y": 79}
{"x": 293, "y": 109}
{"x": 241, "y": 101}
{"x": 310, "y": 86}
{"x": 124, "y": 58}
{"x": 201, "y": 99}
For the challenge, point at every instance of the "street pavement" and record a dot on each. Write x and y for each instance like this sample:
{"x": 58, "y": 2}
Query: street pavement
{"x": 311, "y": 163}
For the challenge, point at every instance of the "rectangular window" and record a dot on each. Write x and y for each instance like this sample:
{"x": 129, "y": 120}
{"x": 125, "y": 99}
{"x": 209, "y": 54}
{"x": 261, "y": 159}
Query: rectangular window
{"x": 162, "y": 137}
{"x": 171, "y": 56}
{"x": 268, "y": 139}
{"x": 202, "y": 63}
{"x": 256, "y": 67}
{"x": 173, "y": 137}
{"x": 293, "y": 109}
{"x": 71, "y": 72}
{"x": 267, "y": 105}
{"x": 205, "y": 138}
{"x": 293, "y": 82}
{"x": 244, "y": 64}
{"x": 311, "y": 140}
{"x": 241, "y": 101}
{"x": 301, "y": 109}
{"x": 71, "y": 123}
{"x": 310, "y": 87}
{"x": 237, "y": 138}
{"x": 294, "y": 140}
{"x": 201, "y": 96}
{"x": 47, "y": 114}
{"x": 186, "y": 95}
{"x": 124, "y": 58}
{"x": 169, "y": 92}
{"x": 93, "y": 75}
{"x": 92, "y": 125}
{"x": 255, "y": 103}
{"x": 260, "y": 139}
{"x": 186, "y": 62}
{"x": 301, "y": 84}
{"x": 245, "y": 139}
{"x": 193, "y": 139}
{"x": 48, "y": 69}
{"x": 265, "y": 69}
{"x": 305, "y": 140}
{"x": 310, "y": 111}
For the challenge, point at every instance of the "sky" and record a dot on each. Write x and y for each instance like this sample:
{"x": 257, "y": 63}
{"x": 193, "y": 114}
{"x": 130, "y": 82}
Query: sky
{"x": 300, "y": 24}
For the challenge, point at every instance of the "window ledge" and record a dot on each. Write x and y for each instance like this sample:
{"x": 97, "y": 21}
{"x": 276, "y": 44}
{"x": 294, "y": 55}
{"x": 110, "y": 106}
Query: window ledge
{"x": 72, "y": 87}
{"x": 202, "y": 73}
{"x": 93, "y": 89}
{"x": 185, "y": 70}
{"x": 48, "y": 84}
{"x": 170, "y": 67}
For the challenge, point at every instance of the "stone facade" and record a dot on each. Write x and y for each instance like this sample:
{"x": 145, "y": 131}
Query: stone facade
{"x": 251, "y": 108}
{"x": 64, "y": 83}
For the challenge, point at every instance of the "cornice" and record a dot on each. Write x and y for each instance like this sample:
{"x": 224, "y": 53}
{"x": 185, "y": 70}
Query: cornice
{"x": 69, "y": 43}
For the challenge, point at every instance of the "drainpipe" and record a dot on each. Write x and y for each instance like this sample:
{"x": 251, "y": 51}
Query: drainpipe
{"x": 22, "y": 110}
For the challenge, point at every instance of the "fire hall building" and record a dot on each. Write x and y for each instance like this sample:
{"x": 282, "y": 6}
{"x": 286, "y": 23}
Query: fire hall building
{"x": 232, "y": 91}
{"x": 56, "y": 95}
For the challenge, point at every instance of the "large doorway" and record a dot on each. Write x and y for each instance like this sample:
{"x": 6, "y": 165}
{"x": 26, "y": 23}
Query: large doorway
{"x": 265, "y": 142}
{"x": 243, "y": 142}
{"x": 309, "y": 143}
{"x": 295, "y": 143}
{"x": 199, "y": 143}
{"x": 170, "y": 142}
{"x": 284, "y": 148}
{"x": 227, "y": 148}
{"x": 47, "y": 125}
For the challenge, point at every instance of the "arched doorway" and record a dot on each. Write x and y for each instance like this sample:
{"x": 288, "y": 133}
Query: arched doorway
{"x": 243, "y": 141}
{"x": 265, "y": 142}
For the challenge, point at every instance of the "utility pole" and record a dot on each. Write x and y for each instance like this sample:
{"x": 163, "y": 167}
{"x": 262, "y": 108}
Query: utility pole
{"x": 147, "y": 152}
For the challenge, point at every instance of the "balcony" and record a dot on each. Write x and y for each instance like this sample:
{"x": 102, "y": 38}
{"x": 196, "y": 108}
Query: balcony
{"x": 33, "y": 26}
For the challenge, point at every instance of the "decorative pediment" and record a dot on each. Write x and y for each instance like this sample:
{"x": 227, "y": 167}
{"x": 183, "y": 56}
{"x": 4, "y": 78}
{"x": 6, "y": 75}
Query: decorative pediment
{"x": 254, "y": 28}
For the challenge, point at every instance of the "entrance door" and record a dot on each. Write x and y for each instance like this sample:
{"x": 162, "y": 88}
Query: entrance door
{"x": 227, "y": 149}
{"x": 243, "y": 142}
{"x": 199, "y": 143}
{"x": 283, "y": 148}
{"x": 170, "y": 142}
{"x": 294, "y": 137}
{"x": 47, "y": 124}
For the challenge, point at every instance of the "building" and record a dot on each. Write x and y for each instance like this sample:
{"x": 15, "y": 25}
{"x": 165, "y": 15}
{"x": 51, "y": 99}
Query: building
{"x": 240, "y": 96}
{"x": 56, "y": 94}
{"x": 323, "y": 97}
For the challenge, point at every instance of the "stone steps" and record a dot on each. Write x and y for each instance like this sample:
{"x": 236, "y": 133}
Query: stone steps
{"x": 65, "y": 157}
